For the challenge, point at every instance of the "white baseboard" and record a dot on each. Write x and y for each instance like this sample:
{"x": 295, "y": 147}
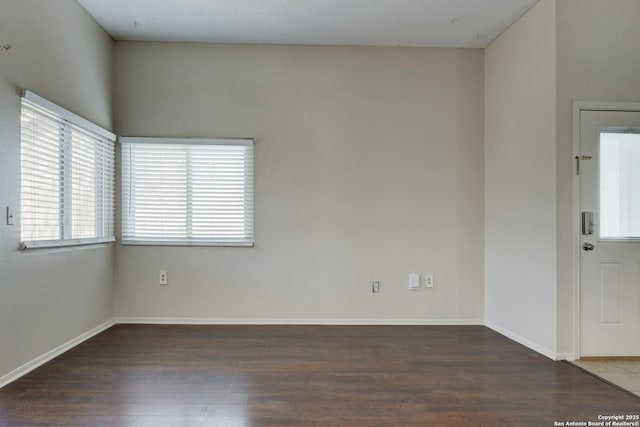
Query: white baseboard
{"x": 289, "y": 321}
{"x": 566, "y": 356}
{"x": 551, "y": 354}
{"x": 53, "y": 353}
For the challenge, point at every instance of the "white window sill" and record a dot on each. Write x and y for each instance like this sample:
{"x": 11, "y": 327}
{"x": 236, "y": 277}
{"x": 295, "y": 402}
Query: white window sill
{"x": 65, "y": 244}
{"x": 198, "y": 244}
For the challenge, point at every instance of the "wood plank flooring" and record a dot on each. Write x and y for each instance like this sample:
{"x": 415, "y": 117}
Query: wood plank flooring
{"x": 242, "y": 376}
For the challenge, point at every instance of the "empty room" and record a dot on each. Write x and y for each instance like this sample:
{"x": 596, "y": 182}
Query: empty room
{"x": 319, "y": 213}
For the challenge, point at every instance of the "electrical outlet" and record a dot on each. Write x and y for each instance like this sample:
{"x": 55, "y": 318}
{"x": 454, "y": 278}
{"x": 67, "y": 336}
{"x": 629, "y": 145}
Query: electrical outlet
{"x": 428, "y": 280}
{"x": 375, "y": 287}
{"x": 164, "y": 278}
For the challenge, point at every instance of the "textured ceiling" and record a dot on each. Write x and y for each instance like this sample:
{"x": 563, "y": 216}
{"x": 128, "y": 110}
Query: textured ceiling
{"x": 432, "y": 23}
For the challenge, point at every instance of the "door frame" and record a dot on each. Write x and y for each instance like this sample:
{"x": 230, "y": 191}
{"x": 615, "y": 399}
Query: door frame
{"x": 578, "y": 107}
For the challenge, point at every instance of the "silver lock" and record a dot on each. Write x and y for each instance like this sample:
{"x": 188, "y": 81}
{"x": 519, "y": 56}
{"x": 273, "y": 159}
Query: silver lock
{"x": 588, "y": 246}
{"x": 588, "y": 223}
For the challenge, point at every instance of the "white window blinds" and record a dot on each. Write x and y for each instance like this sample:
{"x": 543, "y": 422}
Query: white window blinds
{"x": 184, "y": 191}
{"x": 67, "y": 177}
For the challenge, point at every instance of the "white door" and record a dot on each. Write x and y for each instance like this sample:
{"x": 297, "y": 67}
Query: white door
{"x": 609, "y": 167}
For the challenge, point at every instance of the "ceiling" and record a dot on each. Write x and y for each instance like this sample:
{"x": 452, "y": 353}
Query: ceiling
{"x": 424, "y": 23}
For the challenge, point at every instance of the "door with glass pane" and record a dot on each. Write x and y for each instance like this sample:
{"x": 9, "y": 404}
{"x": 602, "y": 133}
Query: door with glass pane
{"x": 609, "y": 166}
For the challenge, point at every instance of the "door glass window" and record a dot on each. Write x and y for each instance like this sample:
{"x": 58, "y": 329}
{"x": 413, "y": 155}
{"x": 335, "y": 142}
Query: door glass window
{"x": 619, "y": 183}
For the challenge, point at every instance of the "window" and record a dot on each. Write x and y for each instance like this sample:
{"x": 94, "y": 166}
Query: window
{"x": 67, "y": 177}
{"x": 619, "y": 183}
{"x": 184, "y": 191}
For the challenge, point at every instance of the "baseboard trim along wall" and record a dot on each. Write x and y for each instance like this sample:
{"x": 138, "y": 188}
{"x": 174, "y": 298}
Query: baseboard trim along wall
{"x": 566, "y": 356}
{"x": 289, "y": 321}
{"x": 53, "y": 353}
{"x": 521, "y": 340}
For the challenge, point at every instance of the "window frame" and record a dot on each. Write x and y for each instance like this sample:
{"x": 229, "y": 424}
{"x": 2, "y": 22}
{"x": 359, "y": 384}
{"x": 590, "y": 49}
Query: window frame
{"x": 607, "y": 129}
{"x": 187, "y": 240}
{"x": 67, "y": 121}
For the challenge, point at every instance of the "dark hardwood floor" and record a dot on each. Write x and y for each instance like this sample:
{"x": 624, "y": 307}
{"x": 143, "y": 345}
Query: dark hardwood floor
{"x": 188, "y": 376}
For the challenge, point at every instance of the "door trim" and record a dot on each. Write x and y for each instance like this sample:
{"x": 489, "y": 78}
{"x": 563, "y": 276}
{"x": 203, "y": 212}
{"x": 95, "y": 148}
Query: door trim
{"x": 578, "y": 107}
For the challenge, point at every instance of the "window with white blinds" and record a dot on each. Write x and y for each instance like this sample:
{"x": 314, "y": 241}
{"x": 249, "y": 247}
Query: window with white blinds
{"x": 67, "y": 177}
{"x": 187, "y": 191}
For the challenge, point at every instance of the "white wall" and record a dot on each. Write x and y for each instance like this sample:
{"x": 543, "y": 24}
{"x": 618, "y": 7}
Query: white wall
{"x": 368, "y": 166}
{"x": 520, "y": 183}
{"x": 47, "y": 298}
{"x": 598, "y": 60}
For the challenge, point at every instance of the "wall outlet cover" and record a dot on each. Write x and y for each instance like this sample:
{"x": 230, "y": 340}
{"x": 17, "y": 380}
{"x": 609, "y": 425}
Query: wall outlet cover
{"x": 164, "y": 278}
{"x": 428, "y": 280}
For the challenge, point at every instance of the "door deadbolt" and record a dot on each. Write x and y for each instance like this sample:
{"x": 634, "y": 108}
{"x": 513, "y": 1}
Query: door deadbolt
{"x": 588, "y": 223}
{"x": 588, "y": 246}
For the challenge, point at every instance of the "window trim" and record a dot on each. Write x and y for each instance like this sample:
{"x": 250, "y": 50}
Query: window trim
{"x": 67, "y": 115}
{"x": 239, "y": 141}
{"x": 246, "y": 142}
{"x": 42, "y": 244}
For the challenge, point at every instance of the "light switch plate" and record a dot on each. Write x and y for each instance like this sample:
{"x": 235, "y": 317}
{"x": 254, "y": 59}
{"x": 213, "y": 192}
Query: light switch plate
{"x": 11, "y": 215}
{"x": 414, "y": 282}
{"x": 375, "y": 287}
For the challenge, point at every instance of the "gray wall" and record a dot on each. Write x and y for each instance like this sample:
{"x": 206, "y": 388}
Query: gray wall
{"x": 520, "y": 182}
{"x": 368, "y": 166}
{"x": 49, "y": 297}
